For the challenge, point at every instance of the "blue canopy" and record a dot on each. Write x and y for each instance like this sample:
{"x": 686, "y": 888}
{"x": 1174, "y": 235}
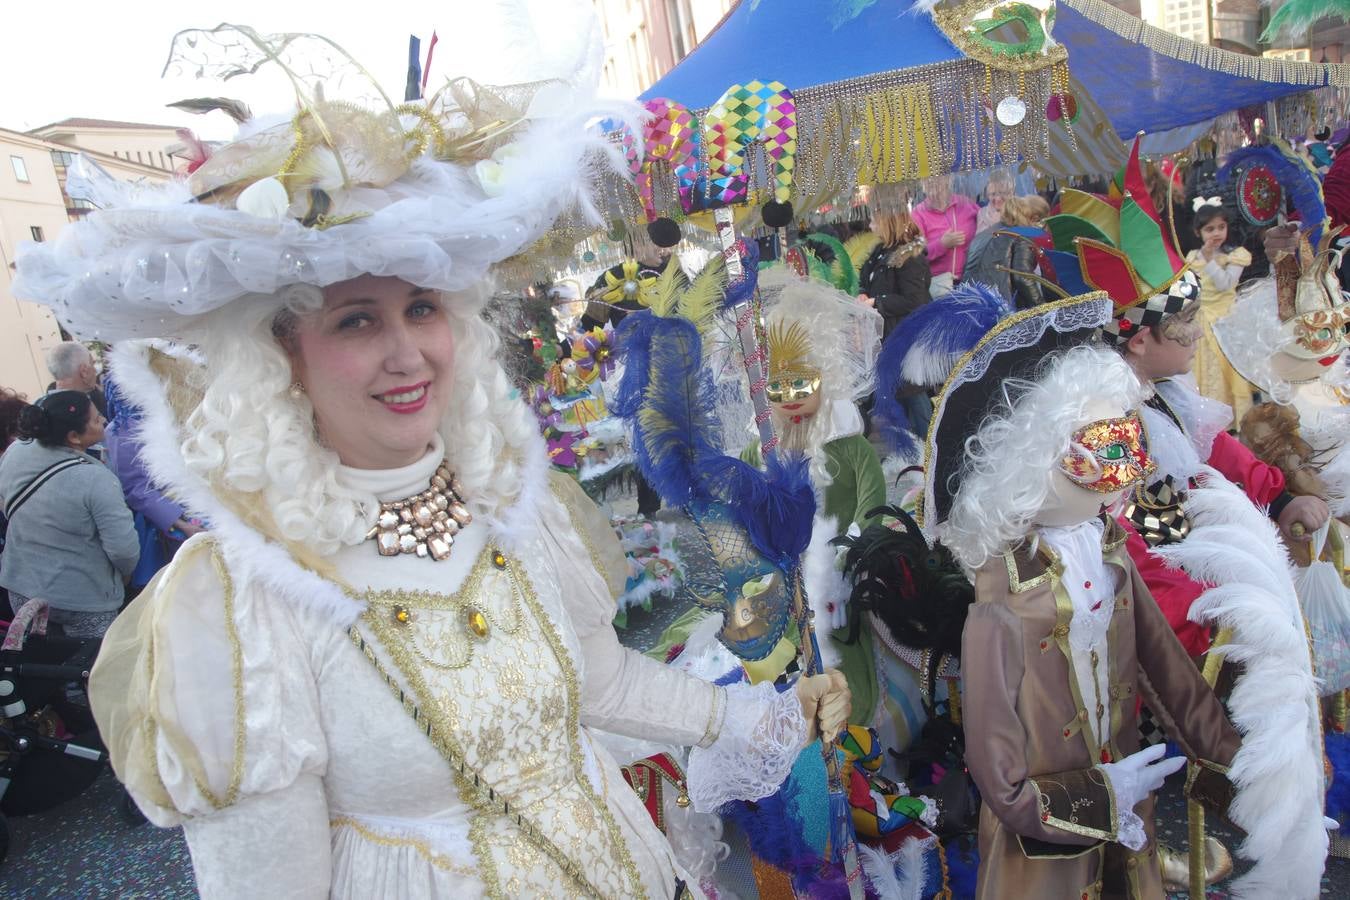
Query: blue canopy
{"x": 1143, "y": 78}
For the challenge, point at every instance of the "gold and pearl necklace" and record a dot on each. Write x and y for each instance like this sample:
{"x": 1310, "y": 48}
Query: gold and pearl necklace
{"x": 425, "y": 524}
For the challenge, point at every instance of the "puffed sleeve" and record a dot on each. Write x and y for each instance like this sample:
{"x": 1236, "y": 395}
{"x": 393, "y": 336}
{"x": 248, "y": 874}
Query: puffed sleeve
{"x": 746, "y": 737}
{"x": 204, "y": 694}
{"x": 1045, "y": 810}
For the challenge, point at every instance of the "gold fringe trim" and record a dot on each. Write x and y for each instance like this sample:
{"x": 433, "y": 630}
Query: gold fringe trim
{"x": 1259, "y": 68}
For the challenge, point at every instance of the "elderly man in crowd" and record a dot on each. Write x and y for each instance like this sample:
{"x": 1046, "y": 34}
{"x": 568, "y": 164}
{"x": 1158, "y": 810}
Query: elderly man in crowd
{"x": 72, "y": 365}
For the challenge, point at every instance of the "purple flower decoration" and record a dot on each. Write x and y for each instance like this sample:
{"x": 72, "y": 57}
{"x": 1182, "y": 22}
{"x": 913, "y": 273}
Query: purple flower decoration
{"x": 561, "y": 450}
{"x": 594, "y": 353}
{"x": 542, "y": 404}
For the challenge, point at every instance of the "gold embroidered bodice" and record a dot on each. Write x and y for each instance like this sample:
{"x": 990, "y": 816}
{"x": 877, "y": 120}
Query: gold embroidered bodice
{"x": 489, "y": 669}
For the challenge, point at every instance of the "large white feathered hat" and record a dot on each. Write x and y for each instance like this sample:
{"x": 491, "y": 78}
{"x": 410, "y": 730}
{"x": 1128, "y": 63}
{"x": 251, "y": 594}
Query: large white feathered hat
{"x": 436, "y": 192}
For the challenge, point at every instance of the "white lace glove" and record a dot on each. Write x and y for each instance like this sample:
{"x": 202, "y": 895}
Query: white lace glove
{"x": 1133, "y": 779}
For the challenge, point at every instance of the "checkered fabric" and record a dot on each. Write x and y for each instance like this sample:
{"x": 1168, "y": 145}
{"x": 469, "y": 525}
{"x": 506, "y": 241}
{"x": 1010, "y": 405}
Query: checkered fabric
{"x": 1180, "y": 294}
{"x": 758, "y": 111}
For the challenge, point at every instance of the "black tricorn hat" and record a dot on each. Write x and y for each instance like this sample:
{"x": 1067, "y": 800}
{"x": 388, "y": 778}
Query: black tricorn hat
{"x": 1013, "y": 349}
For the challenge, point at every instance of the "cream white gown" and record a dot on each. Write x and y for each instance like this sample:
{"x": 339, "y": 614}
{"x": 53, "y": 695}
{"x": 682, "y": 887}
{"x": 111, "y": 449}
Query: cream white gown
{"x": 238, "y": 704}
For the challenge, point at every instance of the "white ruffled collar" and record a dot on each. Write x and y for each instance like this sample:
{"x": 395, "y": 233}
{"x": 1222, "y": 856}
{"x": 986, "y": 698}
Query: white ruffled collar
{"x": 1089, "y": 585}
{"x": 252, "y": 555}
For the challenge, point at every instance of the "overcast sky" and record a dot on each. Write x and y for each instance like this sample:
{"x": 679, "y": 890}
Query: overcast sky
{"x": 103, "y": 60}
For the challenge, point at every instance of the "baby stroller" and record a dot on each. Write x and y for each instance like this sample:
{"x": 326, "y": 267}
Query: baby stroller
{"x": 50, "y": 750}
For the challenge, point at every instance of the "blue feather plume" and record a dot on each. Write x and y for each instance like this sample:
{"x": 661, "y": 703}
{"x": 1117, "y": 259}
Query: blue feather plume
{"x": 925, "y": 346}
{"x": 1338, "y": 793}
{"x": 1301, "y": 185}
{"x": 668, "y": 398}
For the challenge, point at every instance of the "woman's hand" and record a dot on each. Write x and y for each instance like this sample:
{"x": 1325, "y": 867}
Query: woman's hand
{"x": 826, "y": 703}
{"x": 953, "y": 238}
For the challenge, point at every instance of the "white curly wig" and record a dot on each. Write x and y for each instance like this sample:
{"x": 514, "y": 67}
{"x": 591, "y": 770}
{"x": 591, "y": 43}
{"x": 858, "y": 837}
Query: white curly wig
{"x": 1010, "y": 461}
{"x": 249, "y": 434}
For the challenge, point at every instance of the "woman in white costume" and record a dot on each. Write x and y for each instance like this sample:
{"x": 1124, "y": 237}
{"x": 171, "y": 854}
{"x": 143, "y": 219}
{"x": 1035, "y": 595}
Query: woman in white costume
{"x": 378, "y": 673}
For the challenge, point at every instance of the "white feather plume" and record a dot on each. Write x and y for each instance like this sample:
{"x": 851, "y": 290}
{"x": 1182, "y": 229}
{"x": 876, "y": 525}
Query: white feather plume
{"x": 826, "y": 588}
{"x": 1277, "y": 772}
{"x": 902, "y": 879}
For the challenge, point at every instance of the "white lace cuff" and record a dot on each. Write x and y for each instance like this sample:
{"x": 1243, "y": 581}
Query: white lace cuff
{"x": 1127, "y": 790}
{"x": 1130, "y": 830}
{"x": 762, "y": 733}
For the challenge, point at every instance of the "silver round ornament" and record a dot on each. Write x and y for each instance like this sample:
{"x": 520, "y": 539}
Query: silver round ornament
{"x": 1011, "y": 111}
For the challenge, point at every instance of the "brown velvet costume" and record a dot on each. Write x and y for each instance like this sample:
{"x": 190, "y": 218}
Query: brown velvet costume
{"x": 1048, "y": 822}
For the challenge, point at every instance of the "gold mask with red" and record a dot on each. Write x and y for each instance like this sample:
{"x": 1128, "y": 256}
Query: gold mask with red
{"x": 1108, "y": 455}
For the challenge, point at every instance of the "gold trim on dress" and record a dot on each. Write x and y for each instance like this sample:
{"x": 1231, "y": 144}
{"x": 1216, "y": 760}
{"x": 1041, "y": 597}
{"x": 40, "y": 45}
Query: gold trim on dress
{"x": 423, "y": 849}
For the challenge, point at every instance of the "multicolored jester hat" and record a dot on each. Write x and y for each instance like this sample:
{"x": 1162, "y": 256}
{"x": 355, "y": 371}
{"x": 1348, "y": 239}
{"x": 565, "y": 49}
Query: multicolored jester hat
{"x": 708, "y": 164}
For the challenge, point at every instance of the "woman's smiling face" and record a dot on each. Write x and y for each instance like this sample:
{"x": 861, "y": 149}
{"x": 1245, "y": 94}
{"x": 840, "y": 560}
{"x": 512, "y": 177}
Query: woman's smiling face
{"x": 376, "y": 361}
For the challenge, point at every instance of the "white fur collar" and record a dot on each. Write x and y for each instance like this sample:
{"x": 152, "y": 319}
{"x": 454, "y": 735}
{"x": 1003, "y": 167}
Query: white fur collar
{"x": 250, "y": 555}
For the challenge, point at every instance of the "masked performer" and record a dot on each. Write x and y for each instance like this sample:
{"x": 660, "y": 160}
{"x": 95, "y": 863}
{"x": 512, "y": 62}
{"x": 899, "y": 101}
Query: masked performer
{"x": 379, "y": 672}
{"x": 1287, "y": 336}
{"x": 1035, "y": 435}
{"x": 1121, "y": 246}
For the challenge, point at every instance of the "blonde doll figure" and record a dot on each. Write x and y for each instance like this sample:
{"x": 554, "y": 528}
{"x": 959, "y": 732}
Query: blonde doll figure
{"x": 1219, "y": 265}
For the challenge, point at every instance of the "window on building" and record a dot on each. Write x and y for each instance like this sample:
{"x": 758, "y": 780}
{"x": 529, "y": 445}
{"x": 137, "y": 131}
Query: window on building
{"x": 79, "y": 204}
{"x": 20, "y": 168}
{"x": 62, "y": 158}
{"x": 138, "y": 156}
{"x": 682, "y": 36}
{"x": 36, "y": 232}
{"x": 162, "y": 163}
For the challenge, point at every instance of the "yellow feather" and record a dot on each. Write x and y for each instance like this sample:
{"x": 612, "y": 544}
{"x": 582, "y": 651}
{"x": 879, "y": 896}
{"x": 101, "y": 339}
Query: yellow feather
{"x": 860, "y": 247}
{"x": 666, "y": 292}
{"x": 699, "y": 302}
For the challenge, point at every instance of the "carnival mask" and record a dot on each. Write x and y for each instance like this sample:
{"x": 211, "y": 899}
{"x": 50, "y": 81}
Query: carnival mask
{"x": 727, "y": 574}
{"x": 1313, "y": 313}
{"x": 792, "y": 377}
{"x": 792, "y": 390}
{"x": 1108, "y": 455}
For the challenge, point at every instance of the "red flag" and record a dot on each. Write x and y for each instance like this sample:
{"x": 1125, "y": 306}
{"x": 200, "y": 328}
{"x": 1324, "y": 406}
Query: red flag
{"x": 426, "y": 70}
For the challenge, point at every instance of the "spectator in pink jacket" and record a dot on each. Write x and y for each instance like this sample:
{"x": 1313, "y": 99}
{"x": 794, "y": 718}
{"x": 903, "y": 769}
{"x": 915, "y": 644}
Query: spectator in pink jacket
{"x": 948, "y": 224}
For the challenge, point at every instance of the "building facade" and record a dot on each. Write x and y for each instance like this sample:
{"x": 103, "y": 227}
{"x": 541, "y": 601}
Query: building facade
{"x": 644, "y": 39}
{"x": 34, "y": 206}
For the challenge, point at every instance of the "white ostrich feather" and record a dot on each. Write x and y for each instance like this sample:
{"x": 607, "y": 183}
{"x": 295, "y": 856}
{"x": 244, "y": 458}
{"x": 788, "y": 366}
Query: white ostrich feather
{"x": 1277, "y": 772}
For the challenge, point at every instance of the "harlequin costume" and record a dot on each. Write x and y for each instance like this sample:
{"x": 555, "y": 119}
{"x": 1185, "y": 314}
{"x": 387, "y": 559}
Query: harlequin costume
{"x": 1120, "y": 245}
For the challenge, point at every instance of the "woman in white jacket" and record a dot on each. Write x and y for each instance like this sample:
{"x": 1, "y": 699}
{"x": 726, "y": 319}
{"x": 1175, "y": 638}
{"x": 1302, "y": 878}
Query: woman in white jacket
{"x": 378, "y": 674}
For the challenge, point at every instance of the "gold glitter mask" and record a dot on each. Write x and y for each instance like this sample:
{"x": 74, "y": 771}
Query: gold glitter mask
{"x": 792, "y": 378}
{"x": 792, "y": 389}
{"x": 1108, "y": 455}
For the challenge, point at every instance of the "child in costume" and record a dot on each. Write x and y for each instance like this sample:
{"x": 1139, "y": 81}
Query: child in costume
{"x": 1120, "y": 245}
{"x": 1218, "y": 264}
{"x": 1035, "y": 435}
